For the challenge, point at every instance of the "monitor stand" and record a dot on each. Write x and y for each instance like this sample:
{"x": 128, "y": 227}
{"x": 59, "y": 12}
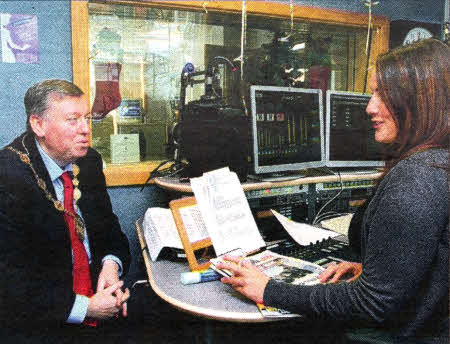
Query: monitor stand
{"x": 275, "y": 177}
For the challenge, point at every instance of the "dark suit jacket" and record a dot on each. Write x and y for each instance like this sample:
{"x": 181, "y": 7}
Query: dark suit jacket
{"x": 35, "y": 248}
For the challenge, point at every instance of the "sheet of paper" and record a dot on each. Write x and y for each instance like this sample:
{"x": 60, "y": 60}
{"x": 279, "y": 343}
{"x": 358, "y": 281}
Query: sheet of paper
{"x": 160, "y": 231}
{"x": 339, "y": 224}
{"x": 226, "y": 212}
{"x": 193, "y": 223}
{"x": 303, "y": 234}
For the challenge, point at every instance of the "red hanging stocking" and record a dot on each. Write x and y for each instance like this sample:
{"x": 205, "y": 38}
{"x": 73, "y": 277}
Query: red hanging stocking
{"x": 107, "y": 91}
{"x": 319, "y": 77}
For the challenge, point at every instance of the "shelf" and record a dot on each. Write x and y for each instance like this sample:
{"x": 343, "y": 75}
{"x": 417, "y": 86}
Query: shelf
{"x": 128, "y": 174}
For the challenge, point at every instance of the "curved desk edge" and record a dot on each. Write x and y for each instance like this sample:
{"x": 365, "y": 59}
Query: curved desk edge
{"x": 250, "y": 317}
{"x": 174, "y": 185}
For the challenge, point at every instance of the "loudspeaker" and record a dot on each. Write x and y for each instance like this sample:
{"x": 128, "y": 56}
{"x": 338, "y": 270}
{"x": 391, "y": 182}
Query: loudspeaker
{"x": 209, "y": 144}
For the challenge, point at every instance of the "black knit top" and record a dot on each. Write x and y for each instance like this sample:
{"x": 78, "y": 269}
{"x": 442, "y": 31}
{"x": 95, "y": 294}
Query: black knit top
{"x": 403, "y": 244}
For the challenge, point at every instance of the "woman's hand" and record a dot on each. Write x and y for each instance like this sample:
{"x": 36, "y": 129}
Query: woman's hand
{"x": 247, "y": 278}
{"x": 335, "y": 272}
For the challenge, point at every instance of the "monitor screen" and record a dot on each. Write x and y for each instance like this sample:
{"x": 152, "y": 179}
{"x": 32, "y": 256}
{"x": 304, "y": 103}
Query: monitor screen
{"x": 287, "y": 129}
{"x": 350, "y": 136}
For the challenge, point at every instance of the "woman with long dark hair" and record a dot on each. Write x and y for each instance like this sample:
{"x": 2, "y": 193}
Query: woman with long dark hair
{"x": 400, "y": 284}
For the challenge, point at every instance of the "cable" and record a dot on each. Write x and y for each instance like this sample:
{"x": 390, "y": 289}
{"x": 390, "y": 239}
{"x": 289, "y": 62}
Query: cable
{"x": 330, "y": 215}
{"x": 175, "y": 168}
{"x": 140, "y": 282}
{"x": 210, "y": 69}
{"x": 223, "y": 58}
{"x": 314, "y": 222}
{"x": 326, "y": 215}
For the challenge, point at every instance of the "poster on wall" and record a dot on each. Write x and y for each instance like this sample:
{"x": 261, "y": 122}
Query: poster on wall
{"x": 19, "y": 38}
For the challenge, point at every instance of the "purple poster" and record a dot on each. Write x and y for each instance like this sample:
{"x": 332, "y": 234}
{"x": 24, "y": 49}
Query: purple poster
{"x": 19, "y": 37}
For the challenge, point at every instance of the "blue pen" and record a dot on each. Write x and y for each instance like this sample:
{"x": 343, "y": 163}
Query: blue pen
{"x": 199, "y": 276}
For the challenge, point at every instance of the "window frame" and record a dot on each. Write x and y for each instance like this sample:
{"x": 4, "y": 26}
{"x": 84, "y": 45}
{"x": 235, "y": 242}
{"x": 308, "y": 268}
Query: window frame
{"x": 137, "y": 173}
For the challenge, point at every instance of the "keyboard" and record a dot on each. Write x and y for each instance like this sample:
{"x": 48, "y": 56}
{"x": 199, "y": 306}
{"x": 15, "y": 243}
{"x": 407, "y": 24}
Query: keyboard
{"x": 321, "y": 253}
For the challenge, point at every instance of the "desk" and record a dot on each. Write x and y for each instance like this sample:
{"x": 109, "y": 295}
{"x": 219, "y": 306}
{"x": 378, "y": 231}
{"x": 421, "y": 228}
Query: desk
{"x": 211, "y": 300}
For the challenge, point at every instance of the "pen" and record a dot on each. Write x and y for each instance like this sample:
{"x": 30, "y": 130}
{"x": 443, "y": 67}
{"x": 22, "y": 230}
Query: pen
{"x": 199, "y": 276}
{"x": 242, "y": 259}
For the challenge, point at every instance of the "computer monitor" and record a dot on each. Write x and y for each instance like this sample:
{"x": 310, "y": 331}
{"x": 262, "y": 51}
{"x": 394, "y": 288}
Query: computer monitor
{"x": 287, "y": 129}
{"x": 350, "y": 137}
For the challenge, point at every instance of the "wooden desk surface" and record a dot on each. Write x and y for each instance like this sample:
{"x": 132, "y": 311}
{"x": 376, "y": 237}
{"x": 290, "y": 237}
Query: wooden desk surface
{"x": 173, "y": 184}
{"x": 211, "y": 300}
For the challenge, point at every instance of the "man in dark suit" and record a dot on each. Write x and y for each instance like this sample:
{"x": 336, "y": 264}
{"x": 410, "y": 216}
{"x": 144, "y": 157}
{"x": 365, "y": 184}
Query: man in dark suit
{"x": 62, "y": 250}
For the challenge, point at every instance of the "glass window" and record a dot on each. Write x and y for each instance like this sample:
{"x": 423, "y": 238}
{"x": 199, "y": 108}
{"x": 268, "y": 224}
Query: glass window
{"x": 137, "y": 55}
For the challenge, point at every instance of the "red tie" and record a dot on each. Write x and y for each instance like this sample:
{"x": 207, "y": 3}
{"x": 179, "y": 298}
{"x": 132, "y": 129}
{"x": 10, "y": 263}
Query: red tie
{"x": 81, "y": 276}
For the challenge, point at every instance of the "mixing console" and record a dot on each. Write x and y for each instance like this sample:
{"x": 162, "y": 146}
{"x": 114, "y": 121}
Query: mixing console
{"x": 322, "y": 253}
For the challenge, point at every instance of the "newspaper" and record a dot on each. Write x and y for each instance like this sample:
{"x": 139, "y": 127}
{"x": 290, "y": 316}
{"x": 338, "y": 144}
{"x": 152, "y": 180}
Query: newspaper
{"x": 283, "y": 269}
{"x": 287, "y": 269}
{"x": 226, "y": 213}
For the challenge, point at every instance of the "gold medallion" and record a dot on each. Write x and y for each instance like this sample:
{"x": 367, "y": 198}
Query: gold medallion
{"x": 75, "y": 182}
{"x": 76, "y": 194}
{"x": 24, "y": 158}
{"x": 79, "y": 227}
{"x": 41, "y": 184}
{"x": 58, "y": 205}
{"x": 75, "y": 170}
